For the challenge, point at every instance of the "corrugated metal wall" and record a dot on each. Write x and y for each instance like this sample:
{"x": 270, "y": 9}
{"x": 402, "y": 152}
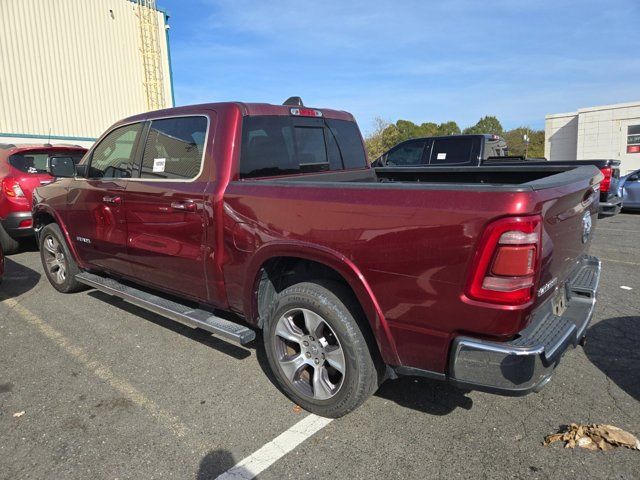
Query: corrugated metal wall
{"x": 71, "y": 68}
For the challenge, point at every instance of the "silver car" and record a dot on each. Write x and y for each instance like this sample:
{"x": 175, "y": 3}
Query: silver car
{"x": 629, "y": 190}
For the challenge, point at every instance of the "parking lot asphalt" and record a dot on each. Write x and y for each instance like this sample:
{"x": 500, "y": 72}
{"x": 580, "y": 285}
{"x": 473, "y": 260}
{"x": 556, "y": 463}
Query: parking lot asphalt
{"x": 110, "y": 391}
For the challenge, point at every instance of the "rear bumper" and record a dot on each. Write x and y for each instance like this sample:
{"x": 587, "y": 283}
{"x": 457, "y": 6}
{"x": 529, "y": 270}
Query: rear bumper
{"x": 11, "y": 224}
{"x": 526, "y": 363}
{"x": 610, "y": 208}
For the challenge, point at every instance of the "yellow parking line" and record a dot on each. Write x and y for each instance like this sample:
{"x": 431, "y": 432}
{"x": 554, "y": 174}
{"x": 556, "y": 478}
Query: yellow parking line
{"x": 100, "y": 370}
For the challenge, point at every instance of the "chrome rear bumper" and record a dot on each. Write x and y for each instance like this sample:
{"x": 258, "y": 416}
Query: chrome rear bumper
{"x": 526, "y": 363}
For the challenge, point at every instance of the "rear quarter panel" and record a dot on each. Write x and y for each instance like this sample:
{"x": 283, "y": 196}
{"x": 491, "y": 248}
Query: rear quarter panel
{"x": 410, "y": 247}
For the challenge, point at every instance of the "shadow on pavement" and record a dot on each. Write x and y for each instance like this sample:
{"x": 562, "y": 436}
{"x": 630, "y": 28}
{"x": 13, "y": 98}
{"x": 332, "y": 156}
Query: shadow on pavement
{"x": 18, "y": 279}
{"x": 422, "y": 394}
{"x": 612, "y": 346}
{"x": 200, "y": 336}
{"x": 425, "y": 395}
{"x": 28, "y": 245}
{"x": 216, "y": 462}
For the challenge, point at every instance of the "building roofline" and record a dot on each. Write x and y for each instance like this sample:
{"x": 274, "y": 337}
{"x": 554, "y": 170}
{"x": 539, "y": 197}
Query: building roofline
{"x": 613, "y": 106}
{"x": 561, "y": 115}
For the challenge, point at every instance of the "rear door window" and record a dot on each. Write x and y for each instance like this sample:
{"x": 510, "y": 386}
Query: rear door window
{"x": 174, "y": 148}
{"x": 113, "y": 157}
{"x": 453, "y": 151}
{"x": 35, "y": 162}
{"x": 279, "y": 145}
{"x": 406, "y": 155}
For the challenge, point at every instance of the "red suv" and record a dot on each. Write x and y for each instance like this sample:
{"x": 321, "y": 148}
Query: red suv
{"x": 23, "y": 168}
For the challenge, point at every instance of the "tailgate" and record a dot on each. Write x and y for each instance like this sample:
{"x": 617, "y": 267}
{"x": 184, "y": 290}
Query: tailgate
{"x": 569, "y": 220}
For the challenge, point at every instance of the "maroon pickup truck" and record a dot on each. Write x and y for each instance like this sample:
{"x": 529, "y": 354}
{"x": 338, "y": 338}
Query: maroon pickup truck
{"x": 236, "y": 218}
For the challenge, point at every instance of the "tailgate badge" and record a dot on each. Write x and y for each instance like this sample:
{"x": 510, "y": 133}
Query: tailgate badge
{"x": 586, "y": 226}
{"x": 547, "y": 286}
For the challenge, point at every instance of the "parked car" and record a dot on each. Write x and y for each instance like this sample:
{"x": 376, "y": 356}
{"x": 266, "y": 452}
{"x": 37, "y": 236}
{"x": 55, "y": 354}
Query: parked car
{"x": 22, "y": 168}
{"x": 629, "y": 190}
{"x": 486, "y": 150}
{"x": 234, "y": 217}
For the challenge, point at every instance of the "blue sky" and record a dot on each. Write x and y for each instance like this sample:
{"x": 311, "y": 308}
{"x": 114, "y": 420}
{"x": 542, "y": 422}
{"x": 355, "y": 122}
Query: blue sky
{"x": 415, "y": 60}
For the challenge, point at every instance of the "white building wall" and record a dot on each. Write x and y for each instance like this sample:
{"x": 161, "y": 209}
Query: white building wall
{"x": 71, "y": 68}
{"x": 560, "y": 133}
{"x": 590, "y": 133}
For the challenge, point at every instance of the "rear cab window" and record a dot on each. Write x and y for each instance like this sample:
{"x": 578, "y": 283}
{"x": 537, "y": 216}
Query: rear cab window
{"x": 281, "y": 145}
{"x": 454, "y": 150}
{"x": 35, "y": 161}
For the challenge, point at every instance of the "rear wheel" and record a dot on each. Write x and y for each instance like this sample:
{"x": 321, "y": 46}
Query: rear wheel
{"x": 317, "y": 350}
{"x": 59, "y": 266}
{"x": 9, "y": 245}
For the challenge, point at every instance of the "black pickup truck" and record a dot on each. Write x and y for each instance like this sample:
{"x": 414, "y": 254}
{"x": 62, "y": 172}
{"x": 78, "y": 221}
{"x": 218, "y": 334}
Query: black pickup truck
{"x": 491, "y": 150}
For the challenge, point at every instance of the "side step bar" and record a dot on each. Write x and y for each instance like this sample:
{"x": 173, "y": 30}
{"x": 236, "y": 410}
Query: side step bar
{"x": 194, "y": 318}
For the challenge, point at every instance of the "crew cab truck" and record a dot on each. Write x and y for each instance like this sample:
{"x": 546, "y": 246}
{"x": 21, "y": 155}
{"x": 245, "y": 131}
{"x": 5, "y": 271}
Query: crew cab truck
{"x": 239, "y": 217}
{"x": 487, "y": 149}
{"x": 23, "y": 168}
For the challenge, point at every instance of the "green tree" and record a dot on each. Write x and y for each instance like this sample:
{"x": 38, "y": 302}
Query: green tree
{"x": 488, "y": 124}
{"x": 427, "y": 129}
{"x": 384, "y": 136}
{"x": 517, "y": 145}
{"x": 387, "y": 135}
{"x": 407, "y": 129}
{"x": 448, "y": 128}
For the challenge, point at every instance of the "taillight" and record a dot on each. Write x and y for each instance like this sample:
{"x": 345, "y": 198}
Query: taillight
{"x": 606, "y": 182}
{"x": 11, "y": 187}
{"x": 506, "y": 265}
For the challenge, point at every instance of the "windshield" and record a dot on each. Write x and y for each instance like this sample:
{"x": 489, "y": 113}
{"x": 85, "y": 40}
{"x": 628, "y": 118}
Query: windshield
{"x": 35, "y": 162}
{"x": 278, "y": 145}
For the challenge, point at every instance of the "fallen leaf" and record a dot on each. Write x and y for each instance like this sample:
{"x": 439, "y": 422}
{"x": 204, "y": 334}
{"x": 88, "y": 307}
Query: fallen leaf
{"x": 297, "y": 409}
{"x": 18, "y": 414}
{"x": 594, "y": 437}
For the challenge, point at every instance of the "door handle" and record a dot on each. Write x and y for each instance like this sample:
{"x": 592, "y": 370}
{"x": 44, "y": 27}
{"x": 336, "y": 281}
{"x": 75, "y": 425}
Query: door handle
{"x": 112, "y": 200}
{"x": 188, "y": 206}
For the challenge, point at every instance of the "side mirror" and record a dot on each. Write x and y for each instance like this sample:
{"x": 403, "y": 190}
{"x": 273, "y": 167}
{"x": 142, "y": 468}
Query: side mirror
{"x": 61, "y": 167}
{"x": 633, "y": 178}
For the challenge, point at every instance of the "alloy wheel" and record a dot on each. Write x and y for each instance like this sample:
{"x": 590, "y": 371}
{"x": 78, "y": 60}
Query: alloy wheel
{"x": 55, "y": 260}
{"x": 309, "y": 354}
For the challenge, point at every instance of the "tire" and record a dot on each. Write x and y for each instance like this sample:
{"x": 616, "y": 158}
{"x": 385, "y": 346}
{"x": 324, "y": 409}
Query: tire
{"x": 320, "y": 314}
{"x": 9, "y": 245}
{"x": 57, "y": 261}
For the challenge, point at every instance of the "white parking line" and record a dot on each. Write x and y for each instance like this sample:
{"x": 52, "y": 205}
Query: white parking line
{"x": 618, "y": 261}
{"x": 618, "y": 230}
{"x": 277, "y": 448}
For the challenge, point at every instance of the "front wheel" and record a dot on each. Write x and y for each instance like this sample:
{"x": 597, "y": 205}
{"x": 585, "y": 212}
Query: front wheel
{"x": 59, "y": 266}
{"x": 317, "y": 350}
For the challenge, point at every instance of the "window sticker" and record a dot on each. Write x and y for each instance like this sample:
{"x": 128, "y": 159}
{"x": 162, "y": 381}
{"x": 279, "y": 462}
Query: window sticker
{"x": 158, "y": 164}
{"x": 442, "y": 156}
